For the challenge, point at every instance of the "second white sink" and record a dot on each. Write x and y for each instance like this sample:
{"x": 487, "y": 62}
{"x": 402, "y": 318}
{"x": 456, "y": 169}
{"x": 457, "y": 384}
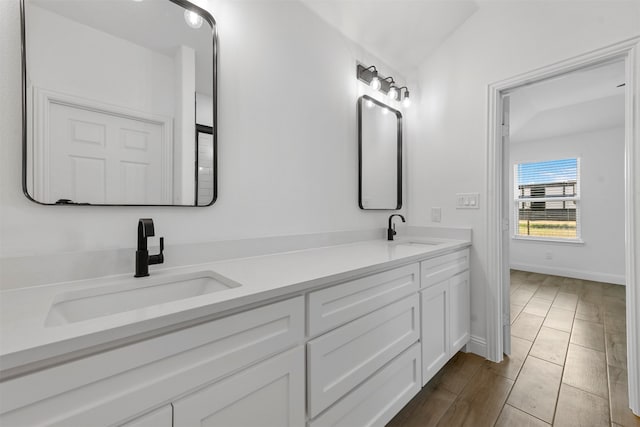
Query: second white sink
{"x": 133, "y": 294}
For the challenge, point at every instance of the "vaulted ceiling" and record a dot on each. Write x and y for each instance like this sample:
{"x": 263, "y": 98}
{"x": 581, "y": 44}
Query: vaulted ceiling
{"x": 400, "y": 32}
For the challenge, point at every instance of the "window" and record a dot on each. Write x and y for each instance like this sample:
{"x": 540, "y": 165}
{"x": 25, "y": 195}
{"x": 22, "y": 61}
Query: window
{"x": 547, "y": 200}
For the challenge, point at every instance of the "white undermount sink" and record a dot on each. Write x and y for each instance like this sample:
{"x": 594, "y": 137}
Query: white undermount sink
{"x": 133, "y": 294}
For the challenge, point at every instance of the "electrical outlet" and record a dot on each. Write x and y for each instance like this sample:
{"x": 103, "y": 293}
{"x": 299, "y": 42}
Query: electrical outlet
{"x": 548, "y": 255}
{"x": 436, "y": 214}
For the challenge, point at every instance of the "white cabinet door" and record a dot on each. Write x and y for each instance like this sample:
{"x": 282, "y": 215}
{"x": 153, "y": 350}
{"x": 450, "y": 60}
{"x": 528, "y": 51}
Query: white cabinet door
{"x": 270, "y": 394}
{"x": 460, "y": 311}
{"x": 162, "y": 417}
{"x": 435, "y": 329}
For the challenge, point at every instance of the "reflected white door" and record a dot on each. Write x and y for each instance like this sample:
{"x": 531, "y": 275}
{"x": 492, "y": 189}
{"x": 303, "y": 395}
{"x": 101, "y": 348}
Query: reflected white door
{"x": 101, "y": 158}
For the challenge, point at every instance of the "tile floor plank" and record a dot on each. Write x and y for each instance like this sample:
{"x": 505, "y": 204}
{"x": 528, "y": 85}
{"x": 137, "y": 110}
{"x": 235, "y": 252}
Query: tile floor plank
{"x": 527, "y": 326}
{"x": 559, "y": 319}
{"x": 577, "y": 408}
{"x": 511, "y": 417}
{"x": 481, "y": 401}
{"x": 537, "y": 306}
{"x": 590, "y": 312}
{"x": 586, "y": 369}
{"x": 616, "y": 346}
{"x": 566, "y": 301}
{"x": 619, "y": 398}
{"x": 547, "y": 292}
{"x": 536, "y": 388}
{"x": 551, "y": 345}
{"x": 588, "y": 334}
{"x": 511, "y": 365}
{"x": 425, "y": 409}
{"x": 455, "y": 375}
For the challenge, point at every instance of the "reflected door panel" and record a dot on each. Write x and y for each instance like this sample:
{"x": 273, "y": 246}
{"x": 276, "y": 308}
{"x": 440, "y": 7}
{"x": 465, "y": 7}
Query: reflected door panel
{"x": 104, "y": 159}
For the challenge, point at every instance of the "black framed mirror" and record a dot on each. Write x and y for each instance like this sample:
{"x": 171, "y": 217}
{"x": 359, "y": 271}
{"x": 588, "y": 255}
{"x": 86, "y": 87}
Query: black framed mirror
{"x": 116, "y": 95}
{"x": 380, "y": 155}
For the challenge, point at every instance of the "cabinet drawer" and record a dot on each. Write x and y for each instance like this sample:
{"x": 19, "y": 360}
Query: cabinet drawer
{"x": 119, "y": 384}
{"x": 378, "y": 399}
{"x": 435, "y": 270}
{"x": 270, "y": 394}
{"x": 343, "y": 358}
{"x": 334, "y": 306}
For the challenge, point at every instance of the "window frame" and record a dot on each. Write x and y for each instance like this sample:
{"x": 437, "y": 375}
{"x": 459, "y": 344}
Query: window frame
{"x": 576, "y": 199}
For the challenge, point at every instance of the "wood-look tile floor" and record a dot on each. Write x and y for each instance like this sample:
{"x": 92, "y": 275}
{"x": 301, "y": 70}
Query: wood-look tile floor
{"x": 568, "y": 364}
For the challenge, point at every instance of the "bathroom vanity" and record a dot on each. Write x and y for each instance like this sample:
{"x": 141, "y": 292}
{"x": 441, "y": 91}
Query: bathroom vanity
{"x": 343, "y": 335}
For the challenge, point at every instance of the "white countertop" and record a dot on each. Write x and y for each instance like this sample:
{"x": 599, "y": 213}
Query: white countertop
{"x": 26, "y": 340}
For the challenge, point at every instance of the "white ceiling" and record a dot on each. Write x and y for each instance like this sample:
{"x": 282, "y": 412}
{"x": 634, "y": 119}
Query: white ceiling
{"x": 577, "y": 102}
{"x": 400, "y": 32}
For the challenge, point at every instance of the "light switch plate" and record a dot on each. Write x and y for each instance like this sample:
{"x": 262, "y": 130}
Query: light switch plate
{"x": 467, "y": 200}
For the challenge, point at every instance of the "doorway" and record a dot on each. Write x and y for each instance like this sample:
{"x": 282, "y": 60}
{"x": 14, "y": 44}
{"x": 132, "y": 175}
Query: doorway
{"x": 499, "y": 218}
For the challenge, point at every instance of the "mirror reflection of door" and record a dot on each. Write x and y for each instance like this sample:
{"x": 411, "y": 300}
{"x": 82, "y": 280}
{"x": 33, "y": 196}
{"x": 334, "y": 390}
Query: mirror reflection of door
{"x": 205, "y": 172}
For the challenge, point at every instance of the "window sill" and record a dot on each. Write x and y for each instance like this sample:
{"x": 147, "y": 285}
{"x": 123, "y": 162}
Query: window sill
{"x": 548, "y": 240}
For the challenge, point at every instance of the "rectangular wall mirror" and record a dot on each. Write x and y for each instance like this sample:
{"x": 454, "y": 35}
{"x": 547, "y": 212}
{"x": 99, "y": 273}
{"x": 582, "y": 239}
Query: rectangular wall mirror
{"x": 380, "y": 155}
{"x": 119, "y": 102}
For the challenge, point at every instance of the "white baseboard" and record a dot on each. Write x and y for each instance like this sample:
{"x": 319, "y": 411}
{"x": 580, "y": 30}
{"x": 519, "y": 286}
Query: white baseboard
{"x": 574, "y": 274}
{"x": 477, "y": 345}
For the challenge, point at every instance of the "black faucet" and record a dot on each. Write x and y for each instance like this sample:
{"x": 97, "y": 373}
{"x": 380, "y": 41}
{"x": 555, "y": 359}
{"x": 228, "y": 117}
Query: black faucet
{"x": 391, "y": 231}
{"x": 143, "y": 259}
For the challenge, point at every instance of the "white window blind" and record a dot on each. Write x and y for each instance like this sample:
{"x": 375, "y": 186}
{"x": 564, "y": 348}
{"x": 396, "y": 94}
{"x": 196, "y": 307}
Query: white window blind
{"x": 547, "y": 199}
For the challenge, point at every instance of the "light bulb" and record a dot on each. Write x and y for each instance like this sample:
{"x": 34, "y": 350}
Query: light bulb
{"x": 393, "y": 93}
{"x": 193, "y": 19}
{"x": 375, "y": 83}
{"x": 407, "y": 101}
{"x": 385, "y": 111}
{"x": 369, "y": 103}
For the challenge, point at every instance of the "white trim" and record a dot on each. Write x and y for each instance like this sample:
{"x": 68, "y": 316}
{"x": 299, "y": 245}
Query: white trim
{"x": 477, "y": 345}
{"x": 547, "y": 240}
{"x": 628, "y": 51}
{"x": 617, "y": 279}
{"x": 42, "y": 100}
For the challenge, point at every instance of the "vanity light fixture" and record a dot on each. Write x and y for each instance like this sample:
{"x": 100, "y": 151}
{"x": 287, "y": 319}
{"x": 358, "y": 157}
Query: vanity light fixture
{"x": 393, "y": 93}
{"x": 406, "y": 101}
{"x": 193, "y": 19}
{"x": 386, "y": 85}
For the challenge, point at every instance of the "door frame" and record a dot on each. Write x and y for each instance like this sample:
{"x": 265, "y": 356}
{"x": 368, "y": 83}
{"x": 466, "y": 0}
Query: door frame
{"x": 497, "y": 252}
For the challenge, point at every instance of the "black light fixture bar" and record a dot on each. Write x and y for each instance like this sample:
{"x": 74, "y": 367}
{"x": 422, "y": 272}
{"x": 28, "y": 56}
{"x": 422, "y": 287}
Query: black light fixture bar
{"x": 367, "y": 74}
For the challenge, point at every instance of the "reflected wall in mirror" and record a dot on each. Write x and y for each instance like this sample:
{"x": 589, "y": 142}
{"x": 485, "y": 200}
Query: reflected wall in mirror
{"x": 380, "y": 155}
{"x": 114, "y": 94}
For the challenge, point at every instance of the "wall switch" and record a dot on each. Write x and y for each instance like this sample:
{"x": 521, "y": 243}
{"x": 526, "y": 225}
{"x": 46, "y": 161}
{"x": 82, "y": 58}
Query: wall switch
{"x": 436, "y": 214}
{"x": 468, "y": 201}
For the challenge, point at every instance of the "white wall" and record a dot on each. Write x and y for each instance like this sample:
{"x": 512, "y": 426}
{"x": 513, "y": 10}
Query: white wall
{"x": 71, "y": 58}
{"x": 499, "y": 41}
{"x": 287, "y": 141}
{"x": 601, "y": 256}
